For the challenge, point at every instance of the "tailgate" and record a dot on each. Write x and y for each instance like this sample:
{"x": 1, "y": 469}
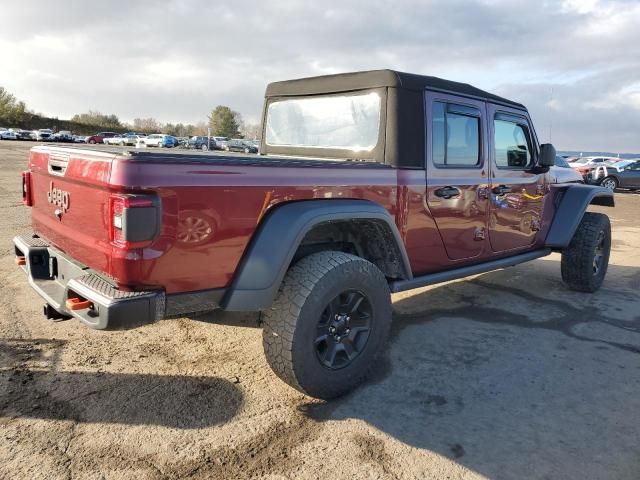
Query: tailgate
{"x": 70, "y": 196}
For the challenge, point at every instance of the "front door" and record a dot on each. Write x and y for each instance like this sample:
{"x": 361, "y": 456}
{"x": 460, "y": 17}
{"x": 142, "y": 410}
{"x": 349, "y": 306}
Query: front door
{"x": 516, "y": 192}
{"x": 630, "y": 177}
{"x": 457, "y": 173}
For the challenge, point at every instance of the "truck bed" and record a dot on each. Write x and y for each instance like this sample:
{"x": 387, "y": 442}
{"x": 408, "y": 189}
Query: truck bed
{"x": 210, "y": 205}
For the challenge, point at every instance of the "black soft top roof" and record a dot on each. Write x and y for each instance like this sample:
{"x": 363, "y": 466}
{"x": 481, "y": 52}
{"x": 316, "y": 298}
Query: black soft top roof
{"x": 344, "y": 82}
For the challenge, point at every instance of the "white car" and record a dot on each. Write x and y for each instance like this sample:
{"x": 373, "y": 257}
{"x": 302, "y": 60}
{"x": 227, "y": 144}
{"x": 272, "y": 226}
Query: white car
{"x": 42, "y": 134}
{"x": 221, "y": 142}
{"x": 118, "y": 139}
{"x": 8, "y": 135}
{"x": 157, "y": 140}
{"x": 592, "y": 161}
{"x": 124, "y": 139}
{"x": 133, "y": 139}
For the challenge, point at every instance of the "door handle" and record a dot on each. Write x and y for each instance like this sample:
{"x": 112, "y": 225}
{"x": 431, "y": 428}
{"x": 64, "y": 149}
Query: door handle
{"x": 447, "y": 192}
{"x": 501, "y": 190}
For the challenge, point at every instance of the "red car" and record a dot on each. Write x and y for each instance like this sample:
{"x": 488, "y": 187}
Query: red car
{"x": 368, "y": 183}
{"x": 99, "y": 137}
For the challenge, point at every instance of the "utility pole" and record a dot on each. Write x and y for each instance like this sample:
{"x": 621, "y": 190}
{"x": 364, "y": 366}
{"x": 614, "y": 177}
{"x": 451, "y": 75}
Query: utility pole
{"x": 550, "y": 118}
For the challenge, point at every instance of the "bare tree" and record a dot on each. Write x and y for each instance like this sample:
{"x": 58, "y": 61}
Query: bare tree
{"x": 251, "y": 131}
{"x": 149, "y": 125}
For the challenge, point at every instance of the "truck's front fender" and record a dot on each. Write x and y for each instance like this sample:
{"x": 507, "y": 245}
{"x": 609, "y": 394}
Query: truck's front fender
{"x": 272, "y": 249}
{"x": 573, "y": 201}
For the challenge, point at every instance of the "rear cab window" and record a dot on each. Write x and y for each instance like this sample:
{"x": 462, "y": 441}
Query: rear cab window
{"x": 345, "y": 125}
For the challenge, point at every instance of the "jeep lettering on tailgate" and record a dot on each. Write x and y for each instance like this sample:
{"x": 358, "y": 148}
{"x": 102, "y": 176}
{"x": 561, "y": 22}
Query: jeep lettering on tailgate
{"x": 59, "y": 198}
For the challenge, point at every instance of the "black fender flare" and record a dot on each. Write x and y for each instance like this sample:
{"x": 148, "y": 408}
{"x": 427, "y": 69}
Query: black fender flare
{"x": 274, "y": 244}
{"x": 572, "y": 204}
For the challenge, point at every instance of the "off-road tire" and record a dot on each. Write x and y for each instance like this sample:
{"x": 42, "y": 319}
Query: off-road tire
{"x": 290, "y": 325}
{"x": 578, "y": 259}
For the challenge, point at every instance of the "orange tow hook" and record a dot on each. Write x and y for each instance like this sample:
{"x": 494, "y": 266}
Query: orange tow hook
{"x": 78, "y": 304}
{"x": 21, "y": 261}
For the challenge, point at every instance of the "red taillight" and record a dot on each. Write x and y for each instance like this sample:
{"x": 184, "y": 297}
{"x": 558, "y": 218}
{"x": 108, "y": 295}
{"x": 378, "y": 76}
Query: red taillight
{"x": 134, "y": 220}
{"x": 26, "y": 188}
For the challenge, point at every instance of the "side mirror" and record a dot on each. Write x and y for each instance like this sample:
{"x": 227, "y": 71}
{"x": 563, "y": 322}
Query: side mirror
{"x": 547, "y": 155}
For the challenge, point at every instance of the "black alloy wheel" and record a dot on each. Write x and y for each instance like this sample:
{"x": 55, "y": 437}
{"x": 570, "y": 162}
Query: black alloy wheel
{"x": 343, "y": 329}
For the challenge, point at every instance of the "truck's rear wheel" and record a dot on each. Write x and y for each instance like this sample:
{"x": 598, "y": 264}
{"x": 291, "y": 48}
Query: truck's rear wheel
{"x": 328, "y": 323}
{"x": 585, "y": 261}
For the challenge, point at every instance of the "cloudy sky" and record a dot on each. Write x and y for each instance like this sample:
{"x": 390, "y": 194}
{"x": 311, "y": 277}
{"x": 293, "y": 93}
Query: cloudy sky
{"x": 574, "y": 63}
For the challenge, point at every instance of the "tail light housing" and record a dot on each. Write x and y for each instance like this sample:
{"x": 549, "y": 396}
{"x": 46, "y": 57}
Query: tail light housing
{"x": 134, "y": 220}
{"x": 26, "y": 188}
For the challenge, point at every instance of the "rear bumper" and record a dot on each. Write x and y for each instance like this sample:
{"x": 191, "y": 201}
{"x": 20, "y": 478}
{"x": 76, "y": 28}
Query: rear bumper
{"x": 58, "y": 279}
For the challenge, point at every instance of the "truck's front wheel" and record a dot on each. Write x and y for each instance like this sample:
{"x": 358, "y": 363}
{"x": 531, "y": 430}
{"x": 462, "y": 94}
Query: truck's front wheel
{"x": 585, "y": 261}
{"x": 328, "y": 323}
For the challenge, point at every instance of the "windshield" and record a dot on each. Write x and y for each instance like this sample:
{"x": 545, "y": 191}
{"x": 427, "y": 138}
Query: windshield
{"x": 582, "y": 161}
{"x": 621, "y": 163}
{"x": 349, "y": 122}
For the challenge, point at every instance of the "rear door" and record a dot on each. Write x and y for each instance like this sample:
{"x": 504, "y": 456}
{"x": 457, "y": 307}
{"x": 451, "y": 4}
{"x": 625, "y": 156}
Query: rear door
{"x": 517, "y": 192}
{"x": 457, "y": 172}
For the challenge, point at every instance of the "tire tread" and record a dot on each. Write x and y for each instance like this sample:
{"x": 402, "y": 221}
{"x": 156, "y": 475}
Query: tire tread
{"x": 577, "y": 258}
{"x": 281, "y": 320}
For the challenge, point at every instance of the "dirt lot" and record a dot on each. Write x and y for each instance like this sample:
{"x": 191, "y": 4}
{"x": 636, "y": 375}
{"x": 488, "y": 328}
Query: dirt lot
{"x": 507, "y": 375}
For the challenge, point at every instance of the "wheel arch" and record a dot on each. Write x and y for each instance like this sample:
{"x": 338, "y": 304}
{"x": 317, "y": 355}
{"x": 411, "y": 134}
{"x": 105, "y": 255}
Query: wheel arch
{"x": 296, "y": 229}
{"x": 571, "y": 205}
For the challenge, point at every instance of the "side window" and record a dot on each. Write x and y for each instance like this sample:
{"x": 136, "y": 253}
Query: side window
{"x": 511, "y": 145}
{"x": 455, "y": 134}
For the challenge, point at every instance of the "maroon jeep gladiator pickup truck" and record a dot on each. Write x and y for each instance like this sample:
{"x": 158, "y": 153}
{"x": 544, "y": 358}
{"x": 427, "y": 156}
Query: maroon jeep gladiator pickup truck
{"x": 368, "y": 183}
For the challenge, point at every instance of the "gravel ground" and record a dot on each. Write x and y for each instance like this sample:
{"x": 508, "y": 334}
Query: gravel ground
{"x": 507, "y": 375}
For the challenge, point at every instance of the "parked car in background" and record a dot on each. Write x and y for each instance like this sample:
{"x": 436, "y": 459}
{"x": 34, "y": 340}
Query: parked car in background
{"x": 64, "y": 136}
{"x": 8, "y": 135}
{"x": 132, "y": 139}
{"x": 221, "y": 142}
{"x": 202, "y": 143}
{"x": 79, "y": 139}
{"x": 620, "y": 165}
{"x": 240, "y": 145}
{"x": 160, "y": 140}
{"x": 99, "y": 137}
{"x": 182, "y": 141}
{"x": 23, "y": 134}
{"x": 42, "y": 134}
{"x": 562, "y": 172}
{"x": 584, "y": 165}
{"x": 115, "y": 140}
{"x": 613, "y": 177}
